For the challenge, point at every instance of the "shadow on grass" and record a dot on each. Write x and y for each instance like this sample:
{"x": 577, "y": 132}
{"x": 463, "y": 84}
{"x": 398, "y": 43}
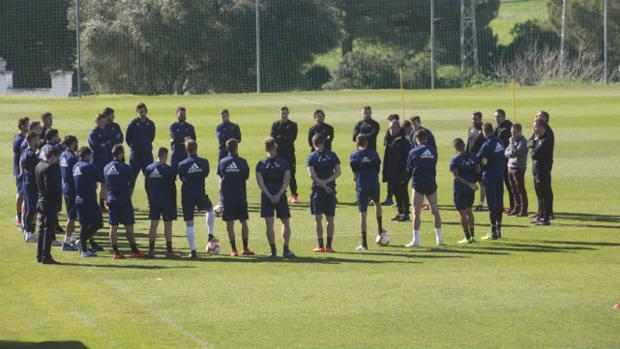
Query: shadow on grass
{"x": 42, "y": 345}
{"x": 403, "y": 255}
{"x": 590, "y": 217}
{"x": 322, "y": 259}
{"x": 125, "y": 266}
{"x": 585, "y": 243}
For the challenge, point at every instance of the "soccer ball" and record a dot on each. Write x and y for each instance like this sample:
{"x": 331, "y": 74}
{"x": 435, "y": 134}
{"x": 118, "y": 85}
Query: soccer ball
{"x": 218, "y": 209}
{"x": 383, "y": 239}
{"x": 213, "y": 247}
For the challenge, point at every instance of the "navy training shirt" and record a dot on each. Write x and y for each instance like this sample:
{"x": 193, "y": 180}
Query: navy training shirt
{"x": 421, "y": 165}
{"x": 140, "y": 135}
{"x": 324, "y": 163}
{"x": 29, "y": 161}
{"x": 179, "y": 133}
{"x": 493, "y": 151}
{"x": 366, "y": 165}
{"x": 465, "y": 166}
{"x": 273, "y": 170}
{"x": 192, "y": 172}
{"x": 159, "y": 182}
{"x": 85, "y": 178}
{"x": 113, "y": 134}
{"x": 234, "y": 171}
{"x": 17, "y": 153}
{"x": 67, "y": 161}
{"x": 119, "y": 181}
{"x": 224, "y": 132}
{"x": 102, "y": 153}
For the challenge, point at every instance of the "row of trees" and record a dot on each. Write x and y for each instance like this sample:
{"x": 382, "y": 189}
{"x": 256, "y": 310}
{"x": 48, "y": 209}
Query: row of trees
{"x": 174, "y": 46}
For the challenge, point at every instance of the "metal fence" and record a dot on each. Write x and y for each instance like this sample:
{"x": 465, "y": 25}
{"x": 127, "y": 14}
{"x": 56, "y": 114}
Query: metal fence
{"x": 187, "y": 47}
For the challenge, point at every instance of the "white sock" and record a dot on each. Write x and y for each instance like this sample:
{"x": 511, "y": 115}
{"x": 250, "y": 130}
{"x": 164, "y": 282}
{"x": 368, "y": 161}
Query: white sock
{"x": 67, "y": 239}
{"x": 416, "y": 235}
{"x": 438, "y": 235}
{"x": 189, "y": 232}
{"x": 211, "y": 222}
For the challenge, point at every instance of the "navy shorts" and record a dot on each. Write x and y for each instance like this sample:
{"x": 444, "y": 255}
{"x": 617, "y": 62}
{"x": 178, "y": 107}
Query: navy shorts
{"x": 99, "y": 167}
{"x": 89, "y": 212}
{"x": 323, "y": 203}
{"x": 166, "y": 212}
{"x": 463, "y": 200}
{"x": 495, "y": 193}
{"x": 365, "y": 195}
{"x": 70, "y": 206}
{"x": 189, "y": 203}
{"x": 267, "y": 208}
{"x": 425, "y": 189}
{"x": 121, "y": 212}
{"x": 30, "y": 197}
{"x": 234, "y": 212}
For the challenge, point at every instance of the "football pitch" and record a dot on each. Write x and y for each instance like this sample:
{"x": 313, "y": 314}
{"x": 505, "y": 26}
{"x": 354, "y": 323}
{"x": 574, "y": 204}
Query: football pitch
{"x": 538, "y": 287}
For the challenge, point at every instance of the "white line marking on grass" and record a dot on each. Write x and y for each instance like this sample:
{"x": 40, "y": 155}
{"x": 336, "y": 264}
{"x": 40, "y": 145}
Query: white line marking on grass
{"x": 163, "y": 318}
{"x": 305, "y": 100}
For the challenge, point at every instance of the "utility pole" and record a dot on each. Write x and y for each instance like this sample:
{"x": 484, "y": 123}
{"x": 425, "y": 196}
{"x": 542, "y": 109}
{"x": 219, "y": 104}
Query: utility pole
{"x": 563, "y": 35}
{"x": 257, "y": 46}
{"x": 605, "y": 67}
{"x": 432, "y": 44}
{"x": 469, "y": 36}
{"x": 77, "y": 44}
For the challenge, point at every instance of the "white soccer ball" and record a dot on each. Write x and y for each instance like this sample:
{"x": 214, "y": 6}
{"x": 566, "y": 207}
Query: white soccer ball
{"x": 383, "y": 239}
{"x": 213, "y": 247}
{"x": 218, "y": 209}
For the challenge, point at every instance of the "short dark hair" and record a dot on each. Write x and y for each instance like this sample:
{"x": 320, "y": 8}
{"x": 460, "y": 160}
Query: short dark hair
{"x": 361, "y": 140}
{"x": 487, "y": 128}
{"x": 84, "y": 152}
{"x": 477, "y": 114}
{"x": 23, "y": 121}
{"x": 162, "y": 151}
{"x": 140, "y": 106}
{"x": 415, "y": 118}
{"x": 366, "y": 107}
{"x": 50, "y": 133}
{"x": 46, "y": 115}
{"x": 34, "y": 124}
{"x": 232, "y": 145}
{"x": 224, "y": 111}
{"x": 406, "y": 124}
{"x": 501, "y": 112}
{"x": 270, "y": 143}
{"x": 517, "y": 127}
{"x": 421, "y": 135}
{"x": 180, "y": 108}
{"x": 319, "y": 111}
{"x": 318, "y": 139}
{"x": 191, "y": 146}
{"x": 52, "y": 152}
{"x": 117, "y": 150}
{"x": 544, "y": 114}
{"x": 283, "y": 108}
{"x": 107, "y": 111}
{"x": 393, "y": 117}
{"x": 31, "y": 135}
{"x": 458, "y": 144}
{"x": 69, "y": 141}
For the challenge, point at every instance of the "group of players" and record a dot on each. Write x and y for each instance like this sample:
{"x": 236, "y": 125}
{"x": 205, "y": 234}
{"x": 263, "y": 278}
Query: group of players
{"x": 47, "y": 170}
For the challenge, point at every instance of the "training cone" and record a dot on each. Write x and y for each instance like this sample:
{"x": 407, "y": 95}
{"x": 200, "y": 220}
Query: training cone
{"x": 617, "y": 306}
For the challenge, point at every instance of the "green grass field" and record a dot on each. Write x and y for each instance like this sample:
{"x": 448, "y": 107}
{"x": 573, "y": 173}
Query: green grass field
{"x": 539, "y": 287}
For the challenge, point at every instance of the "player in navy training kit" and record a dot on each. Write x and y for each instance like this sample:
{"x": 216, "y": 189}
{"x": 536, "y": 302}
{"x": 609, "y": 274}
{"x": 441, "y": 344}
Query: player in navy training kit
{"x": 27, "y": 164}
{"x": 464, "y": 166}
{"x": 493, "y": 162}
{"x": 161, "y": 190}
{"x": 234, "y": 172}
{"x": 85, "y": 179}
{"x": 22, "y": 125}
{"x": 180, "y": 132}
{"x": 284, "y": 131}
{"x": 324, "y": 167}
{"x": 365, "y": 164}
{"x": 101, "y": 153}
{"x": 421, "y": 166}
{"x": 192, "y": 172}
{"x": 139, "y": 136}
{"x": 120, "y": 182}
{"x": 225, "y": 131}
{"x": 272, "y": 176}
{"x": 68, "y": 159}
{"x": 113, "y": 132}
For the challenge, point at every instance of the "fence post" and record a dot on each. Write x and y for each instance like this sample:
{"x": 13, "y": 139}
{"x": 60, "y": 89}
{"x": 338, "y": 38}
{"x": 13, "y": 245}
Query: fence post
{"x": 77, "y": 44}
{"x": 432, "y": 44}
{"x": 563, "y": 35}
{"x": 605, "y": 67}
{"x": 257, "y": 46}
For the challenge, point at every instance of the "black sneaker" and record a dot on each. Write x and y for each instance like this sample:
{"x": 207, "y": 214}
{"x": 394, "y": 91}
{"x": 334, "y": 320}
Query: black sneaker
{"x": 542, "y": 222}
{"x": 404, "y": 218}
{"x": 288, "y": 254}
{"x": 95, "y": 247}
{"x": 49, "y": 260}
{"x": 387, "y": 202}
{"x": 397, "y": 218}
{"x": 193, "y": 255}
